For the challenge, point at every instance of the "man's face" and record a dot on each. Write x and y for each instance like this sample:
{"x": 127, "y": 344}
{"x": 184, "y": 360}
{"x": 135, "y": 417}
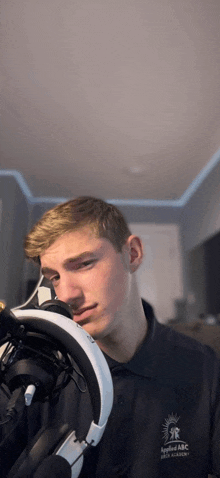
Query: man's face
{"x": 88, "y": 273}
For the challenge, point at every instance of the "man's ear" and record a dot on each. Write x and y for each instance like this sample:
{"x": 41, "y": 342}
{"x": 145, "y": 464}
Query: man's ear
{"x": 134, "y": 249}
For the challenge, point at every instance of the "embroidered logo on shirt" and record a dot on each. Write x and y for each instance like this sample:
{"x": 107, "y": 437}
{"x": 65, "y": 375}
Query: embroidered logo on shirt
{"x": 173, "y": 446}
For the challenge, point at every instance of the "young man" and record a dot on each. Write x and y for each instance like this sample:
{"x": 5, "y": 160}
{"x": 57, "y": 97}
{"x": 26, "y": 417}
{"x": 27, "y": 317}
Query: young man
{"x": 165, "y": 421}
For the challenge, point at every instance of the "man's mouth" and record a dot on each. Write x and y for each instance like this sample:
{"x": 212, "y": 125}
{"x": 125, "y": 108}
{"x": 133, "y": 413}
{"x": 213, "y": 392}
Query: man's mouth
{"x": 82, "y": 313}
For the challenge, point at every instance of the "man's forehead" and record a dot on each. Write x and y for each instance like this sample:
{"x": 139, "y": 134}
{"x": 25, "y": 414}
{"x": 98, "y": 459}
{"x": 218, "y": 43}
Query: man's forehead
{"x": 75, "y": 243}
{"x": 74, "y": 236}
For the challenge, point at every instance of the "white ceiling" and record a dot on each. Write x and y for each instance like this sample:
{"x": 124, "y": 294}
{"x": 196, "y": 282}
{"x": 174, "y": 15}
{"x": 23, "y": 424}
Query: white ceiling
{"x": 113, "y": 98}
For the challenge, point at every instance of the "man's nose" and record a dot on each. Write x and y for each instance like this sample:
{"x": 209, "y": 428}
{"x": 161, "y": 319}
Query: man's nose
{"x": 68, "y": 290}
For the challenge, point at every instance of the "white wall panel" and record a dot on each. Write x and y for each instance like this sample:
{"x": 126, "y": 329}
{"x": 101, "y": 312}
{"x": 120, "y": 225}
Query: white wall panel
{"x": 160, "y": 276}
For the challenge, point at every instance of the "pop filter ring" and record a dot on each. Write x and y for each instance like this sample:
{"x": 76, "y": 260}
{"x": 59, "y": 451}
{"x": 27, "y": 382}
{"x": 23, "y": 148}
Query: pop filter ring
{"x": 83, "y": 349}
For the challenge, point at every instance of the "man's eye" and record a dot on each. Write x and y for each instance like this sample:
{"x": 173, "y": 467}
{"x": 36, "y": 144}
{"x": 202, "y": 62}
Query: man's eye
{"x": 54, "y": 279}
{"x": 84, "y": 264}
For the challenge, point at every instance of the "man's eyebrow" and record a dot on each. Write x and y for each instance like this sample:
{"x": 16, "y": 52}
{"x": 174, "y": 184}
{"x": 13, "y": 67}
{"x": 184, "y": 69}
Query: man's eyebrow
{"x": 79, "y": 257}
{"x": 47, "y": 270}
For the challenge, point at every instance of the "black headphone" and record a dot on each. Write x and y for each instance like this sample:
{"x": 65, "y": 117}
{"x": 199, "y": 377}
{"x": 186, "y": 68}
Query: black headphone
{"x": 58, "y": 448}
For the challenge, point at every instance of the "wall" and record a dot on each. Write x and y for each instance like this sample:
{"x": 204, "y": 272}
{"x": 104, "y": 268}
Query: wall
{"x": 199, "y": 221}
{"x": 160, "y": 275}
{"x": 152, "y": 214}
{"x": 197, "y": 282}
{"x": 14, "y": 224}
{"x": 149, "y": 214}
{"x": 200, "y": 218}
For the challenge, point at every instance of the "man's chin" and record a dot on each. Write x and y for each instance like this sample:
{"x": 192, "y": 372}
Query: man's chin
{"x": 92, "y": 330}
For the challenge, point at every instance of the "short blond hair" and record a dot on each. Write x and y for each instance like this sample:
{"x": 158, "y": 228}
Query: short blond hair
{"x": 105, "y": 218}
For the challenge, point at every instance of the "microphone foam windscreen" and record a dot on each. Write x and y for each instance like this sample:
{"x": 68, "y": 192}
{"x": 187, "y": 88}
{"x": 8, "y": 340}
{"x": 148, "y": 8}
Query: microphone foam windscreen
{"x": 54, "y": 466}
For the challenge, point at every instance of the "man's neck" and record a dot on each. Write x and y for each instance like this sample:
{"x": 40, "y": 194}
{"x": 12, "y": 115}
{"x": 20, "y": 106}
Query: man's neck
{"x": 122, "y": 344}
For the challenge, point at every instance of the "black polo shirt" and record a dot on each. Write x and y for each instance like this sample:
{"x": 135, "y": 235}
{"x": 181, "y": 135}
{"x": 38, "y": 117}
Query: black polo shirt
{"x": 165, "y": 422}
